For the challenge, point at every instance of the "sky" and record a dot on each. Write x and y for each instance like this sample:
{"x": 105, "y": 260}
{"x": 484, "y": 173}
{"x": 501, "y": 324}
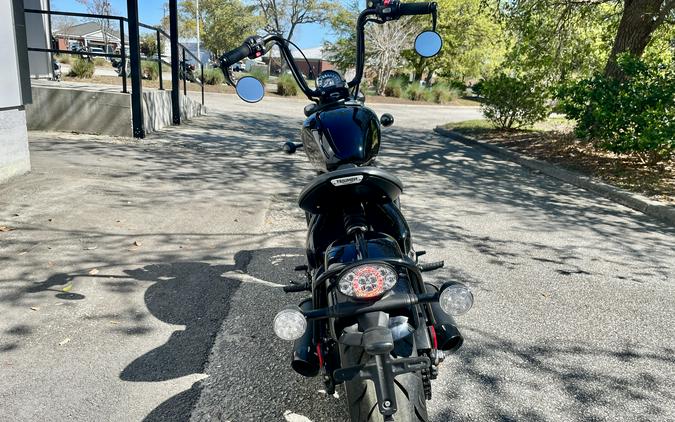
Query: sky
{"x": 151, "y": 11}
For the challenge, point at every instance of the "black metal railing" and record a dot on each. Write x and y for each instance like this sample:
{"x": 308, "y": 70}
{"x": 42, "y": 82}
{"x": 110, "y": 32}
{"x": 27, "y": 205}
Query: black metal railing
{"x": 122, "y": 55}
{"x": 159, "y": 60}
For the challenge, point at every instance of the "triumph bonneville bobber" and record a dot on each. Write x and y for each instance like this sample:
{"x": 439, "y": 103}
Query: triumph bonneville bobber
{"x": 371, "y": 322}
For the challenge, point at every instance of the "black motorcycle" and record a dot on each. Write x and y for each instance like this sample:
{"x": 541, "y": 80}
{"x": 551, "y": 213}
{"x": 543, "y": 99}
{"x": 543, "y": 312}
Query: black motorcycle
{"x": 371, "y": 322}
{"x": 187, "y": 71}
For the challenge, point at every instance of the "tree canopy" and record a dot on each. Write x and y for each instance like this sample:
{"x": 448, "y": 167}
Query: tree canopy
{"x": 224, "y": 24}
{"x": 566, "y": 38}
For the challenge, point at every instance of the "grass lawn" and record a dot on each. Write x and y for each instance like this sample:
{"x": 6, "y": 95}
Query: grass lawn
{"x": 553, "y": 140}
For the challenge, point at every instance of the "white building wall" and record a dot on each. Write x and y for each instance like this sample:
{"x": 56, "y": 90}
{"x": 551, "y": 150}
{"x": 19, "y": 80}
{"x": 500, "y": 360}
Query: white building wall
{"x": 37, "y": 35}
{"x": 14, "y": 159}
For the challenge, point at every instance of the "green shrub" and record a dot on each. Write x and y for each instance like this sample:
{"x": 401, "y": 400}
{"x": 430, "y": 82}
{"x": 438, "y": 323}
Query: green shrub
{"x": 511, "y": 102}
{"x": 632, "y": 114}
{"x": 477, "y": 88}
{"x": 213, "y": 76}
{"x": 394, "y": 88}
{"x": 148, "y": 45}
{"x": 443, "y": 94}
{"x": 100, "y": 61}
{"x": 81, "y": 68}
{"x": 286, "y": 85}
{"x": 416, "y": 92}
{"x": 260, "y": 73}
{"x": 149, "y": 70}
{"x": 459, "y": 86}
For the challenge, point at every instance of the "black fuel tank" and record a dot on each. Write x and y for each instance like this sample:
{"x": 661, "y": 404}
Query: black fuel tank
{"x": 349, "y": 134}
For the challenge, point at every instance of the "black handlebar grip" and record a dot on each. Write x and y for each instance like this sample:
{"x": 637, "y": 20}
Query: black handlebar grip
{"x": 233, "y": 56}
{"x": 430, "y": 266}
{"x": 296, "y": 288}
{"x": 416, "y": 8}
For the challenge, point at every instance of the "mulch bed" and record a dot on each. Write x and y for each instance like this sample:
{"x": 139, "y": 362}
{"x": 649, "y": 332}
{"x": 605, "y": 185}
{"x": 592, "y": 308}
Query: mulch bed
{"x": 561, "y": 147}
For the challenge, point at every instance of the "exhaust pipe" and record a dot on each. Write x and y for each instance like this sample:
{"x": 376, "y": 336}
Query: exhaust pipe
{"x": 305, "y": 359}
{"x": 448, "y": 337}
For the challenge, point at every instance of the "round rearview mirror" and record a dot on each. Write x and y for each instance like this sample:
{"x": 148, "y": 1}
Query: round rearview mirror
{"x": 250, "y": 89}
{"x": 428, "y": 43}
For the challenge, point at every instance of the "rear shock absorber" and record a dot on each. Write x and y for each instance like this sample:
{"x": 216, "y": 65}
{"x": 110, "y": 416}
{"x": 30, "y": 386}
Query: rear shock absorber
{"x": 356, "y": 224}
{"x": 355, "y": 219}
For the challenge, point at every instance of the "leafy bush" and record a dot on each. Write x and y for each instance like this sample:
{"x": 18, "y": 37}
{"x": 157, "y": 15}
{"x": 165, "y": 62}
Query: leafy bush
{"x": 213, "y": 76}
{"x": 394, "y": 88}
{"x": 81, "y": 68}
{"x": 149, "y": 70}
{"x": 460, "y": 86}
{"x": 148, "y": 45}
{"x": 286, "y": 85}
{"x": 511, "y": 103}
{"x": 632, "y": 114}
{"x": 477, "y": 88}
{"x": 100, "y": 61}
{"x": 416, "y": 92}
{"x": 442, "y": 94}
{"x": 260, "y": 73}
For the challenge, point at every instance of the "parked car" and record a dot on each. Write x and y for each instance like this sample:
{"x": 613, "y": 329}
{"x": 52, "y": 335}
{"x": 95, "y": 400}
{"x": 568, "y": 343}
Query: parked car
{"x": 81, "y": 49}
{"x": 97, "y": 50}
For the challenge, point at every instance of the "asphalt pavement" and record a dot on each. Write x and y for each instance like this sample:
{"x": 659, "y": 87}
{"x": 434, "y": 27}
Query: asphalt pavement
{"x": 140, "y": 279}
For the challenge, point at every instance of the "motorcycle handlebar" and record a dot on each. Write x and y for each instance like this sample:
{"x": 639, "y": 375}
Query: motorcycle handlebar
{"x": 233, "y": 56}
{"x": 406, "y": 9}
{"x": 255, "y": 46}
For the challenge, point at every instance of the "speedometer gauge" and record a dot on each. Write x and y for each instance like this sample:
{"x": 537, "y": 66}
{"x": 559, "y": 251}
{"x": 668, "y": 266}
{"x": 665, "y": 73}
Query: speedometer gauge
{"x": 329, "y": 79}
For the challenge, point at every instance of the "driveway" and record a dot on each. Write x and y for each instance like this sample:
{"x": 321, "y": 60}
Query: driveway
{"x": 419, "y": 117}
{"x": 141, "y": 279}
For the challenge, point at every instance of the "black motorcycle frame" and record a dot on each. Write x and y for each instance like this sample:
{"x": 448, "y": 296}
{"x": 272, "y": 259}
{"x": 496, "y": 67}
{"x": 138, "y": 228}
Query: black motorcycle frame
{"x": 331, "y": 316}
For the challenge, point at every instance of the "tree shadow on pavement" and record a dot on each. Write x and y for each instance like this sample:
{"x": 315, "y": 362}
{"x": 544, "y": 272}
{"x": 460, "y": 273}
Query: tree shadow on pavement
{"x": 496, "y": 378}
{"x": 227, "y": 312}
{"x": 193, "y": 294}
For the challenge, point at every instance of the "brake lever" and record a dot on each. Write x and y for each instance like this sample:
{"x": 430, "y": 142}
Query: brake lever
{"x": 228, "y": 77}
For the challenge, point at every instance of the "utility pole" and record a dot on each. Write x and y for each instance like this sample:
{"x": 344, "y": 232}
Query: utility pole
{"x": 199, "y": 56}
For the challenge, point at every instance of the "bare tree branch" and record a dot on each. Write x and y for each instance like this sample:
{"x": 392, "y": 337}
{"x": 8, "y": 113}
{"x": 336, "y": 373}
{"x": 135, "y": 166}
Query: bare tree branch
{"x": 282, "y": 17}
{"x": 385, "y": 44}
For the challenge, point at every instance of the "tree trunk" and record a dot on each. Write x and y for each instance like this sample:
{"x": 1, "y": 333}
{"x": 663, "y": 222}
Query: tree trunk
{"x": 639, "y": 20}
{"x": 427, "y": 80}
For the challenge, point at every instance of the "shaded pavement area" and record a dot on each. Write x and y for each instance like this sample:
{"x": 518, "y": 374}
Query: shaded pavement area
{"x": 140, "y": 279}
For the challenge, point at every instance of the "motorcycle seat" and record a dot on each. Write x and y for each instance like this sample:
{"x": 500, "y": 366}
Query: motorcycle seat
{"x": 356, "y": 184}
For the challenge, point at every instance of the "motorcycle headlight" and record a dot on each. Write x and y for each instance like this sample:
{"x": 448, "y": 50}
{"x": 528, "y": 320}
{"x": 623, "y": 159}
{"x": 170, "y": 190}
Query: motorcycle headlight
{"x": 367, "y": 281}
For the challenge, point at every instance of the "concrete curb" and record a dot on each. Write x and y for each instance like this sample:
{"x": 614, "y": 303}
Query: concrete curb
{"x": 637, "y": 202}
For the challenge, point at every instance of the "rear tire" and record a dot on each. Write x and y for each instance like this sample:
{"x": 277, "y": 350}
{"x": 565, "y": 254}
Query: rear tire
{"x": 362, "y": 399}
